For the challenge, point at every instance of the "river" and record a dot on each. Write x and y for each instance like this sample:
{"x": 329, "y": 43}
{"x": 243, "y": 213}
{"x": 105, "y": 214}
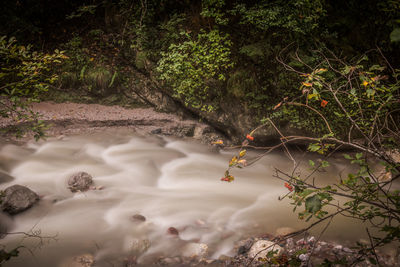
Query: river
{"x": 172, "y": 182}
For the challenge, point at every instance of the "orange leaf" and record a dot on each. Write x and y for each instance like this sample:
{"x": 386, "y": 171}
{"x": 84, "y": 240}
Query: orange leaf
{"x": 289, "y": 187}
{"x": 324, "y": 103}
{"x": 307, "y": 84}
{"x": 251, "y": 138}
{"x": 218, "y": 142}
{"x": 277, "y": 105}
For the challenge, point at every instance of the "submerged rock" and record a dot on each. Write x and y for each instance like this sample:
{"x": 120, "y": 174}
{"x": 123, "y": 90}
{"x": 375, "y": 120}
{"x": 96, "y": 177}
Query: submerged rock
{"x": 18, "y": 198}
{"x": 138, "y": 218}
{"x": 140, "y": 246}
{"x": 80, "y": 181}
{"x": 195, "y": 250}
{"x": 261, "y": 248}
{"x": 173, "y": 231}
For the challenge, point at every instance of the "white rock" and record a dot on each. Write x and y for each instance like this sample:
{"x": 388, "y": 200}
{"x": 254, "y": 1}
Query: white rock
{"x": 347, "y": 250}
{"x": 303, "y": 257}
{"x": 195, "y": 250}
{"x": 338, "y": 247}
{"x": 261, "y": 248}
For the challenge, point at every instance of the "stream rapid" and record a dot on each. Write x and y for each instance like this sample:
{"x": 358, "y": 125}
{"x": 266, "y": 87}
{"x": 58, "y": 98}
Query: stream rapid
{"x": 171, "y": 182}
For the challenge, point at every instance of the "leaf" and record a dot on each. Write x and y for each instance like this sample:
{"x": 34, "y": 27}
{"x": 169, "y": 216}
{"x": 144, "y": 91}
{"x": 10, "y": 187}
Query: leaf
{"x": 242, "y": 153}
{"x": 311, "y": 163}
{"x": 314, "y": 147}
{"x": 395, "y": 35}
{"x": 113, "y": 79}
{"x": 346, "y": 156}
{"x": 313, "y": 204}
{"x": 324, "y": 164}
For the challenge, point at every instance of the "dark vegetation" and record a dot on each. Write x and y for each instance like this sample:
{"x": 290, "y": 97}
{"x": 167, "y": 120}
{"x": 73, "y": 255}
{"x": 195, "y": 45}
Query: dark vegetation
{"x": 325, "y": 69}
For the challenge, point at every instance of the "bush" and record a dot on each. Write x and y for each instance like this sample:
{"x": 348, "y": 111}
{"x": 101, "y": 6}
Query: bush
{"x": 24, "y": 76}
{"x": 365, "y": 97}
{"x": 195, "y": 68}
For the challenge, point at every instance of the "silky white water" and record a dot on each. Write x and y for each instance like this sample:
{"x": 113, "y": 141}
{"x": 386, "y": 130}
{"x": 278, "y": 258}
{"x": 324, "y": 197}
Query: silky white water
{"x": 173, "y": 183}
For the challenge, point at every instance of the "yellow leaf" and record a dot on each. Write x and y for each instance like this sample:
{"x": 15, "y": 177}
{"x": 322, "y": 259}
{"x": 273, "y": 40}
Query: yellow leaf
{"x": 365, "y": 83}
{"x": 233, "y": 161}
{"x": 242, "y": 153}
{"x": 307, "y": 84}
{"x": 243, "y": 162}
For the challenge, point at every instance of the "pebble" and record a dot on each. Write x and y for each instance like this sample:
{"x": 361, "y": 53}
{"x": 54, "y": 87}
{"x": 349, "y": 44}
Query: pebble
{"x": 138, "y": 218}
{"x": 303, "y": 257}
{"x": 338, "y": 247}
{"x": 173, "y": 231}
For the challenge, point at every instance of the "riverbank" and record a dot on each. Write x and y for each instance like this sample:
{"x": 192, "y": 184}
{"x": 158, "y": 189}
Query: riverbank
{"x": 73, "y": 118}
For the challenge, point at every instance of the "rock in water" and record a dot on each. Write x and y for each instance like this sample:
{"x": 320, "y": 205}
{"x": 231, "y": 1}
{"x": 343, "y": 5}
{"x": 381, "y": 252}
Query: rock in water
{"x": 80, "y": 181}
{"x": 195, "y": 250}
{"x": 261, "y": 248}
{"x": 18, "y": 198}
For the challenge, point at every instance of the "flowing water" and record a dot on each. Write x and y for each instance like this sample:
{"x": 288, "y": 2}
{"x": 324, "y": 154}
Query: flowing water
{"x": 173, "y": 183}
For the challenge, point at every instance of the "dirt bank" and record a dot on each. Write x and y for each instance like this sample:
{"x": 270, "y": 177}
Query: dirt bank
{"x": 73, "y": 118}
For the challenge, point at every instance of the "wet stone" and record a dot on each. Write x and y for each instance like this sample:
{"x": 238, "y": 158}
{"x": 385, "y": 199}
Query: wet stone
{"x": 18, "y": 198}
{"x": 173, "y": 231}
{"x": 80, "y": 181}
{"x": 138, "y": 218}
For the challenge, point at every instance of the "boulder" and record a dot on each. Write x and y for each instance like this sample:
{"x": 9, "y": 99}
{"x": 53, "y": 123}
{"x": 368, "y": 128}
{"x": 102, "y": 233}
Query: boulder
{"x": 261, "y": 248}
{"x": 18, "y": 198}
{"x": 80, "y": 181}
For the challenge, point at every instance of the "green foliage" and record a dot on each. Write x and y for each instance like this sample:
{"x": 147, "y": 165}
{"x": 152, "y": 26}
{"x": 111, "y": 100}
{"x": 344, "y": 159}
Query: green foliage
{"x": 300, "y": 16}
{"x": 214, "y": 9}
{"x": 24, "y": 76}
{"x": 195, "y": 68}
{"x": 395, "y": 35}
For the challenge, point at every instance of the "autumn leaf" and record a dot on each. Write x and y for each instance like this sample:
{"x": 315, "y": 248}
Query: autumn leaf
{"x": 228, "y": 178}
{"x": 218, "y": 142}
{"x": 233, "y": 161}
{"x": 320, "y": 70}
{"x": 289, "y": 187}
{"x": 324, "y": 103}
{"x": 242, "y": 153}
{"x": 365, "y": 83}
{"x": 251, "y": 138}
{"x": 243, "y": 162}
{"x": 307, "y": 84}
{"x": 277, "y": 105}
